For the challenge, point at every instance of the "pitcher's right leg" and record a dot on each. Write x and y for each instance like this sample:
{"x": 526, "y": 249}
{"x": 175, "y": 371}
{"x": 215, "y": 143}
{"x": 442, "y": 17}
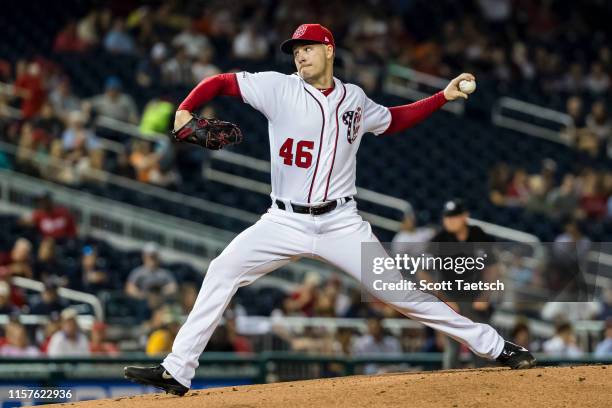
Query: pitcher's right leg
{"x": 265, "y": 246}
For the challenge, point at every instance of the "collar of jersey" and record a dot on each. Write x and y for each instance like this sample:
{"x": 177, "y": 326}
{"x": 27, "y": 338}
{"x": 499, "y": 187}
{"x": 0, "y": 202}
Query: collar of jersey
{"x": 318, "y": 94}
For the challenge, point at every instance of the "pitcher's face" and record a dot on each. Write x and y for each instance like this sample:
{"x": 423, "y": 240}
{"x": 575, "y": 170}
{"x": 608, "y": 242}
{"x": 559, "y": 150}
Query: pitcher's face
{"x": 312, "y": 60}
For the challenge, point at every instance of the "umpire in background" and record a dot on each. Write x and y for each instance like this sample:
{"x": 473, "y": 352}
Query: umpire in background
{"x": 455, "y": 229}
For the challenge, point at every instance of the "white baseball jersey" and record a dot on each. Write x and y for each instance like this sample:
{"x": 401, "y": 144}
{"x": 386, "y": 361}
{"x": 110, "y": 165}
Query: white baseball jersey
{"x": 313, "y": 138}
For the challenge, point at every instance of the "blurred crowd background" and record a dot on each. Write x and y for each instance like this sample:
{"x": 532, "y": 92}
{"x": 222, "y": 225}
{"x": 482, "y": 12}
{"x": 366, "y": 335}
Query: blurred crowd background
{"x": 133, "y": 62}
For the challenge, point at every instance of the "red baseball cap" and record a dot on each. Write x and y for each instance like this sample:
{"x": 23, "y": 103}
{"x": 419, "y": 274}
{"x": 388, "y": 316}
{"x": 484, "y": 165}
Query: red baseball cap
{"x": 313, "y": 33}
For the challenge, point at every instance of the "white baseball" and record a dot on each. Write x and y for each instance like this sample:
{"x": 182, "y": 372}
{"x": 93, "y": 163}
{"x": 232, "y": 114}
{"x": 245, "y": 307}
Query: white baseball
{"x": 467, "y": 86}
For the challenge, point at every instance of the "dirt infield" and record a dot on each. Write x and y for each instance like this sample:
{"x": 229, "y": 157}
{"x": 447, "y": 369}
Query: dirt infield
{"x": 583, "y": 386}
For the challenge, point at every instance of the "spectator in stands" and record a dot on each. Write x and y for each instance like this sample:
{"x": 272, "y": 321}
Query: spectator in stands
{"x": 331, "y": 301}
{"x": 220, "y": 342}
{"x": 303, "y": 299}
{"x": 63, "y": 100}
{"x": 81, "y": 150}
{"x": 325, "y": 304}
{"x": 148, "y": 164}
{"x": 69, "y": 341}
{"x": 563, "y": 343}
{"x": 537, "y": 202}
{"x": 203, "y": 67}
{"x": 49, "y": 301}
{"x": 5, "y": 162}
{"x": 575, "y": 111}
{"x": 574, "y": 107}
{"x": 517, "y": 192}
{"x": 344, "y": 341}
{"x": 47, "y": 265}
{"x": 598, "y": 81}
{"x": 565, "y": 272}
{"x": 47, "y": 126}
{"x": 123, "y": 167}
{"x": 149, "y": 71}
{"x": 30, "y": 88}
{"x": 434, "y": 341}
{"x": 357, "y": 308}
{"x": 52, "y": 326}
{"x": 410, "y": 239}
{"x": 250, "y": 44}
{"x": 57, "y": 169}
{"x": 150, "y": 278}
{"x": 606, "y": 306}
{"x": 87, "y": 29}
{"x": 563, "y": 200}
{"x": 189, "y": 294}
{"x": 604, "y": 348}
{"x": 51, "y": 220}
{"x": 68, "y": 40}
{"x": 144, "y": 27}
{"x": 115, "y": 104}
{"x": 19, "y": 261}
{"x": 587, "y": 142}
{"x": 376, "y": 341}
{"x": 160, "y": 340}
{"x": 593, "y": 201}
{"x": 523, "y": 275}
{"x": 157, "y": 117}
{"x": 92, "y": 275}
{"x": 573, "y": 81}
{"x": 411, "y": 339}
{"x": 118, "y": 40}
{"x": 240, "y": 344}
{"x": 193, "y": 42}
{"x": 98, "y": 344}
{"x": 6, "y": 306}
{"x": 311, "y": 339}
{"x": 177, "y": 70}
{"x": 548, "y": 173}
{"x": 27, "y": 150}
{"x": 598, "y": 123}
{"x": 522, "y": 63}
{"x": 17, "y": 342}
{"x": 499, "y": 179}
{"x": 521, "y": 335}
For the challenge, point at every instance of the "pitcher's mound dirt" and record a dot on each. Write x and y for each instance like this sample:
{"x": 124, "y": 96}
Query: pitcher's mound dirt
{"x": 583, "y": 386}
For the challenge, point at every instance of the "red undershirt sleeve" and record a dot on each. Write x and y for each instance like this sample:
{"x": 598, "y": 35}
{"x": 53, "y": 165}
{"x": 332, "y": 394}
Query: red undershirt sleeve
{"x": 207, "y": 89}
{"x": 406, "y": 116}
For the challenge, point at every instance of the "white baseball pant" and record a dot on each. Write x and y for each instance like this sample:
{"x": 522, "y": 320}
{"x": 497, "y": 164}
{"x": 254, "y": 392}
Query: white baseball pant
{"x": 280, "y": 237}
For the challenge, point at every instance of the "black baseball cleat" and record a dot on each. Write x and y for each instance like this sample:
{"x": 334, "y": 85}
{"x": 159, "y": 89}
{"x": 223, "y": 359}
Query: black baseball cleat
{"x": 516, "y": 357}
{"x": 157, "y": 377}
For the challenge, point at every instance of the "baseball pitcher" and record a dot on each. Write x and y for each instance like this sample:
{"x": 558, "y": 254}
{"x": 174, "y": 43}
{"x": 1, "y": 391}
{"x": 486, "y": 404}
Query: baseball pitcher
{"x": 315, "y": 125}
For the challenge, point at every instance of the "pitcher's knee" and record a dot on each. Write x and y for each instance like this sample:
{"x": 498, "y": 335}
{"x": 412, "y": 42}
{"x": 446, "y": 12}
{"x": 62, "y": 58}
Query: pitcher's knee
{"x": 225, "y": 267}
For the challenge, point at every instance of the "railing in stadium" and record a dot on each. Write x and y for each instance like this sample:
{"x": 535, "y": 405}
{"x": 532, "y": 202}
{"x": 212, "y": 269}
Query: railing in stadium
{"x": 263, "y": 367}
{"x": 511, "y": 113}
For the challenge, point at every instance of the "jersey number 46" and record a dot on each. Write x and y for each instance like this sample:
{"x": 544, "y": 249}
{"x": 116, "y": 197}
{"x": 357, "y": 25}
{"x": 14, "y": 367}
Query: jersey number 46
{"x": 303, "y": 155}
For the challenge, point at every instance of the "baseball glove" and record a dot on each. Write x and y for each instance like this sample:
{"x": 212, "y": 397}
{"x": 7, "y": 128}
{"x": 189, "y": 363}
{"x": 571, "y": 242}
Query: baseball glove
{"x": 212, "y": 134}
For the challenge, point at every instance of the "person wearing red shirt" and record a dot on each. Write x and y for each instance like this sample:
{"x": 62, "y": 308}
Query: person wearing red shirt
{"x": 29, "y": 87}
{"x": 98, "y": 344}
{"x": 52, "y": 221}
{"x": 68, "y": 40}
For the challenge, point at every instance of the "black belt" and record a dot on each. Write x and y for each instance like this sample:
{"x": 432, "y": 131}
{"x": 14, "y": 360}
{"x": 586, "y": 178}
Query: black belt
{"x": 313, "y": 210}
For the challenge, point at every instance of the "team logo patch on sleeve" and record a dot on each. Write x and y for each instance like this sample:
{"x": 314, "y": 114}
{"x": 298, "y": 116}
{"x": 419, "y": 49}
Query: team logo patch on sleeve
{"x": 352, "y": 120}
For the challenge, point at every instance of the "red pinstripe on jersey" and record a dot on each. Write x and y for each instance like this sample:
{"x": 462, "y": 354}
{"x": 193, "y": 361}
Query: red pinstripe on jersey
{"x": 335, "y": 145}
{"x": 320, "y": 143}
